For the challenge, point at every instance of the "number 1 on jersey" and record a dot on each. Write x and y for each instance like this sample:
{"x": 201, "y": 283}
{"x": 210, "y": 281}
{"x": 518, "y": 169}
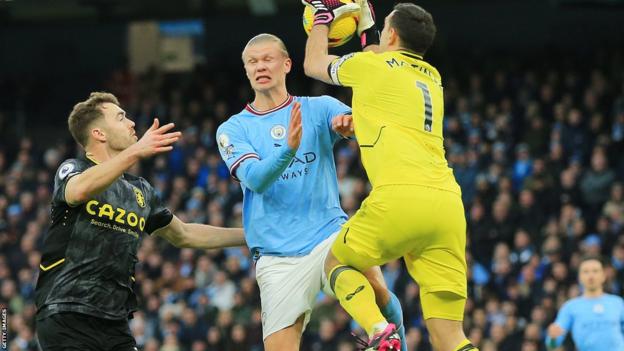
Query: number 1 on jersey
{"x": 428, "y": 108}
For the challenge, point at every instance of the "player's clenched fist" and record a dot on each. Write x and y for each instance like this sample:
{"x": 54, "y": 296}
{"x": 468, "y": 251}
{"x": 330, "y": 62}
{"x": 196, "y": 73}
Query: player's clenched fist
{"x": 294, "y": 127}
{"x": 156, "y": 140}
{"x": 325, "y": 11}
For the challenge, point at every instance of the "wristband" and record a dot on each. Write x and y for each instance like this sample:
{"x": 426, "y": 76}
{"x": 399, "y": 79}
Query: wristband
{"x": 369, "y": 37}
{"x": 323, "y": 18}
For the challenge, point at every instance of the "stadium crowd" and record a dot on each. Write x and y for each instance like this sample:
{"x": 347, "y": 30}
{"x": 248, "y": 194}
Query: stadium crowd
{"x": 537, "y": 152}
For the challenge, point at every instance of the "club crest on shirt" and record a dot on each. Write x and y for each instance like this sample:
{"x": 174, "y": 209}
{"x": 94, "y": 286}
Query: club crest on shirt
{"x": 139, "y": 197}
{"x": 224, "y": 145}
{"x": 278, "y": 132}
{"x": 65, "y": 170}
{"x": 598, "y": 308}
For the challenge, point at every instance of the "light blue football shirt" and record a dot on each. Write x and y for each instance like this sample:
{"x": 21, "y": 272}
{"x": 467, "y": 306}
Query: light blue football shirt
{"x": 301, "y": 207}
{"x": 596, "y": 323}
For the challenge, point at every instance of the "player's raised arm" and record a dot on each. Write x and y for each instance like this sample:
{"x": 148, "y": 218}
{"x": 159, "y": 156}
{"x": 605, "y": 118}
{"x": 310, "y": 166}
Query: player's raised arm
{"x": 99, "y": 177}
{"x": 96, "y": 179}
{"x": 317, "y": 59}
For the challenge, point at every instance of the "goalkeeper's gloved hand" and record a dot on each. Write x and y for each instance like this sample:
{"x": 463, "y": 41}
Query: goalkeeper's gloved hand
{"x": 326, "y": 11}
{"x": 367, "y": 30}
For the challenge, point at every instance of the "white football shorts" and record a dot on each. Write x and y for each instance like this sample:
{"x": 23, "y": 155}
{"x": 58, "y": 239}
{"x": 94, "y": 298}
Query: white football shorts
{"x": 289, "y": 286}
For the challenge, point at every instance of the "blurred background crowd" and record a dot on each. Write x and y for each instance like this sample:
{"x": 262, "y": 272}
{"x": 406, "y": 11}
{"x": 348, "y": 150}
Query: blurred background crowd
{"x": 535, "y": 139}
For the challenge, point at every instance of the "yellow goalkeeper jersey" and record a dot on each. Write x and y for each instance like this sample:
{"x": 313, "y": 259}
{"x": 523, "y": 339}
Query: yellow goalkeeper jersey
{"x": 398, "y": 110}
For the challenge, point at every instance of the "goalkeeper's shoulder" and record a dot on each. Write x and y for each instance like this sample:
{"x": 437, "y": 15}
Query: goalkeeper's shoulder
{"x": 363, "y": 58}
{"x": 355, "y": 68}
{"x": 364, "y": 62}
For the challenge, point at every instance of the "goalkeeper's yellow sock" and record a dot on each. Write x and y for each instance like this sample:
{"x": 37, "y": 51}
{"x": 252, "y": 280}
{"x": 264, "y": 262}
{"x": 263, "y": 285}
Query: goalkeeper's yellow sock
{"x": 466, "y": 345}
{"x": 357, "y": 297}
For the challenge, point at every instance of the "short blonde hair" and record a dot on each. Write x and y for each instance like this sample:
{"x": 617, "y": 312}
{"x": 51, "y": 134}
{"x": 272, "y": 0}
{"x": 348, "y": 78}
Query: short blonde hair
{"x": 266, "y": 37}
{"x": 85, "y": 113}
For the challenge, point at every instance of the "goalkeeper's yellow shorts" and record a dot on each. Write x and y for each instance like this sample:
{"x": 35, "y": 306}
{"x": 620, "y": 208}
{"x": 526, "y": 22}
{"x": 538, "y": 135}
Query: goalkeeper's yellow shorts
{"x": 425, "y": 226}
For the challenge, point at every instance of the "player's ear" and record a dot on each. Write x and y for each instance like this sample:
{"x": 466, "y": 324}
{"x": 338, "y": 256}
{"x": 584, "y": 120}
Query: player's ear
{"x": 98, "y": 134}
{"x": 287, "y": 65}
{"x": 393, "y": 36}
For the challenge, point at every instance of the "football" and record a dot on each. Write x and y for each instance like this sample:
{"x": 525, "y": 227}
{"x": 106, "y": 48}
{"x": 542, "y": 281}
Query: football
{"x": 341, "y": 29}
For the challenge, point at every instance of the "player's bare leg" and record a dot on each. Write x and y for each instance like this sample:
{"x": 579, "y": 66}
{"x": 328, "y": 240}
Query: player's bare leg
{"x": 287, "y": 339}
{"x": 376, "y": 279}
{"x": 448, "y": 335}
{"x": 387, "y": 302}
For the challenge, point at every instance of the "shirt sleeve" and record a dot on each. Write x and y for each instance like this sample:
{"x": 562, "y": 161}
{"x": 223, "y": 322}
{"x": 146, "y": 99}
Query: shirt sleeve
{"x": 234, "y": 147}
{"x": 333, "y": 108}
{"x": 564, "y": 320}
{"x": 65, "y": 172}
{"x": 256, "y": 174}
{"x": 622, "y": 315}
{"x": 352, "y": 70}
{"x": 159, "y": 215}
{"x": 564, "y": 317}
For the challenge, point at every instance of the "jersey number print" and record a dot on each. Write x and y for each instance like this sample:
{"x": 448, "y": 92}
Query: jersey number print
{"x": 428, "y": 108}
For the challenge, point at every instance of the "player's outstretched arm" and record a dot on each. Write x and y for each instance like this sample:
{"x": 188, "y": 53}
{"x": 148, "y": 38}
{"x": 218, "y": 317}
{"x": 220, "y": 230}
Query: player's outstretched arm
{"x": 96, "y": 179}
{"x": 200, "y": 236}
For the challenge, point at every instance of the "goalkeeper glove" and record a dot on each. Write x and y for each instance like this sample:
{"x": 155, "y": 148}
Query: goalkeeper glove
{"x": 367, "y": 30}
{"x": 326, "y": 11}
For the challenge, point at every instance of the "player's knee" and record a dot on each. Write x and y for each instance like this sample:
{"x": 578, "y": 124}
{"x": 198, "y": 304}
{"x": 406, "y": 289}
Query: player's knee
{"x": 433, "y": 343}
{"x": 436, "y": 335}
{"x": 435, "y": 338}
{"x": 287, "y": 339}
{"x": 445, "y": 334}
{"x": 281, "y": 345}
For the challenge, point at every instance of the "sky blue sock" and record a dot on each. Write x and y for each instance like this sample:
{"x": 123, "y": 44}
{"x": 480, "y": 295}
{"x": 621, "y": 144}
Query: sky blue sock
{"x": 394, "y": 314}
